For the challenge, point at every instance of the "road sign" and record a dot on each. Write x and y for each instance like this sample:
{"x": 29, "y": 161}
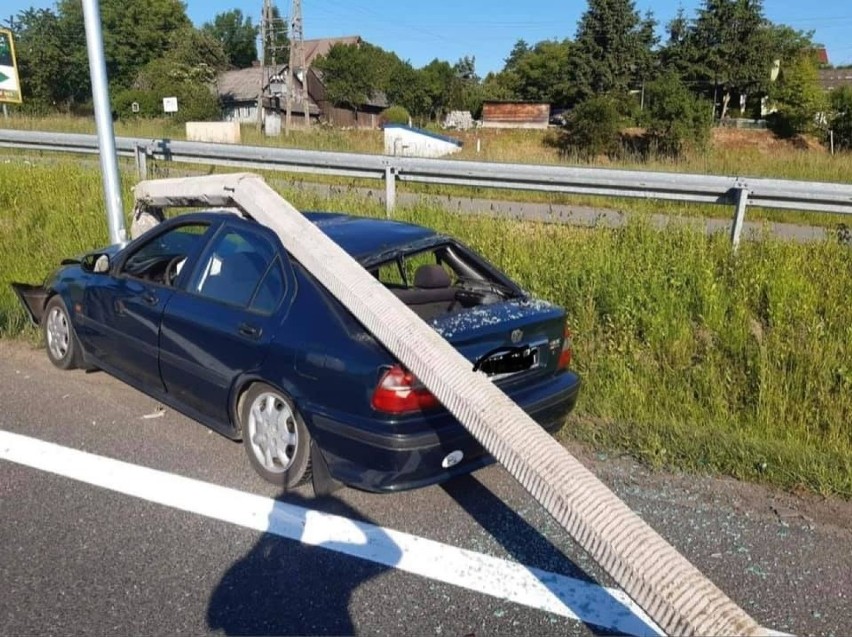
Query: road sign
{"x": 10, "y": 83}
{"x": 170, "y": 104}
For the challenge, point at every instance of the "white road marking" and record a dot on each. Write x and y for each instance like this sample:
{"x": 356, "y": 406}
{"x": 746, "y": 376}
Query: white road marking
{"x": 542, "y": 590}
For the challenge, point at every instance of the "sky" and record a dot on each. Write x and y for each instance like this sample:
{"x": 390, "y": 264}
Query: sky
{"x": 421, "y": 30}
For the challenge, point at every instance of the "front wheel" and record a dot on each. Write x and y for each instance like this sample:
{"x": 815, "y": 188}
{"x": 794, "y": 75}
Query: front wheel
{"x": 63, "y": 348}
{"x": 275, "y": 438}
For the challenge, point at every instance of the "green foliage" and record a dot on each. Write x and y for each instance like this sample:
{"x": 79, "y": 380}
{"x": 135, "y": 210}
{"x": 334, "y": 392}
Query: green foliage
{"x": 612, "y": 49}
{"x": 135, "y": 32}
{"x": 593, "y": 128}
{"x": 276, "y": 45}
{"x": 186, "y": 71}
{"x": 677, "y": 120}
{"x": 396, "y": 115}
{"x": 542, "y": 73}
{"x": 237, "y": 35}
{"x": 349, "y": 74}
{"x": 735, "y": 46}
{"x": 798, "y": 96}
{"x": 841, "y": 117}
{"x": 52, "y": 47}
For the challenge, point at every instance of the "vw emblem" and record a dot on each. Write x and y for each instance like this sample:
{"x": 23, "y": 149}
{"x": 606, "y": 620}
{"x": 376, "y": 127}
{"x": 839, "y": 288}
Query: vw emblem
{"x": 517, "y": 335}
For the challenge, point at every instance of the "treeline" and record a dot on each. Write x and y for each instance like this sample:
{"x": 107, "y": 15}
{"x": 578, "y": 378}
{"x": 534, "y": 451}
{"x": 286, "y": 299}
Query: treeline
{"x": 152, "y": 51}
{"x": 616, "y": 72}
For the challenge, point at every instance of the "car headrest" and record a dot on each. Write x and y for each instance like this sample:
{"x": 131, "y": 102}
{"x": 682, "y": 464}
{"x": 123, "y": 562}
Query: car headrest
{"x": 431, "y": 277}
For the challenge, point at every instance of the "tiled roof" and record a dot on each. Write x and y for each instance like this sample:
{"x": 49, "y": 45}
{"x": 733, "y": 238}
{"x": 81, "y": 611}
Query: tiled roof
{"x": 316, "y": 48}
{"x": 831, "y": 79}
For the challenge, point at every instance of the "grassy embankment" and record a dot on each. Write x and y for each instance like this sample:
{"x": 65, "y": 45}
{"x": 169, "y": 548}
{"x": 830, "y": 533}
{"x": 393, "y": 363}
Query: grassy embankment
{"x": 740, "y": 153}
{"x": 693, "y": 358}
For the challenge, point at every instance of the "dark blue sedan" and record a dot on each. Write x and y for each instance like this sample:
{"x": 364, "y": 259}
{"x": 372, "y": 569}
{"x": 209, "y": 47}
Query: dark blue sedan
{"x": 209, "y": 314}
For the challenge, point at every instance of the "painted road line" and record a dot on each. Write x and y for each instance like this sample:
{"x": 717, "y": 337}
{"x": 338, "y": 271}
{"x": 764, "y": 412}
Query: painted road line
{"x": 542, "y": 590}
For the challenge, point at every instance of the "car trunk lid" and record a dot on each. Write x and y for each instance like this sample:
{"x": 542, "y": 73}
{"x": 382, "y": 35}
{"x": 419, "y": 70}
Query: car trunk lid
{"x": 509, "y": 341}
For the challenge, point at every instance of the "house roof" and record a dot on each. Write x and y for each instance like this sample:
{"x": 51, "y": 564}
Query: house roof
{"x": 240, "y": 85}
{"x": 821, "y": 55}
{"x": 321, "y": 46}
{"x": 831, "y": 79}
{"x": 243, "y": 85}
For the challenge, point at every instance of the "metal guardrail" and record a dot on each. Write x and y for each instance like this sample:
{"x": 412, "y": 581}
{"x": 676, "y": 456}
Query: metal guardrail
{"x": 739, "y": 192}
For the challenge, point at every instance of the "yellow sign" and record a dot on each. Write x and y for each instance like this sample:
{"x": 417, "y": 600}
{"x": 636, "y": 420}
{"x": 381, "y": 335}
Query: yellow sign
{"x": 10, "y": 82}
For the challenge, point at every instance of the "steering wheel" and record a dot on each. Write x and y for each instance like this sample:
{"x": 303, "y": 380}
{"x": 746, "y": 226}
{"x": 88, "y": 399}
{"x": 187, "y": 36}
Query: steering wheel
{"x": 172, "y": 270}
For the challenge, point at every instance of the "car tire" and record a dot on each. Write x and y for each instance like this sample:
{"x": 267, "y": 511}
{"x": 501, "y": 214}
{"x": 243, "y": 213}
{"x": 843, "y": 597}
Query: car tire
{"x": 275, "y": 438}
{"x": 60, "y": 339}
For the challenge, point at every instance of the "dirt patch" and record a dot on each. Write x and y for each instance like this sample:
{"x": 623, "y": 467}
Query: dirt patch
{"x": 763, "y": 141}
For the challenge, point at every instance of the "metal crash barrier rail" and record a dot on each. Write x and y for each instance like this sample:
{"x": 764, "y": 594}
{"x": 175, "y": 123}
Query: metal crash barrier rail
{"x": 739, "y": 192}
{"x": 679, "y": 598}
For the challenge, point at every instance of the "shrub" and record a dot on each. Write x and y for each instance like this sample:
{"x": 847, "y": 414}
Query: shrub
{"x": 396, "y": 115}
{"x": 593, "y": 128}
{"x": 677, "y": 119}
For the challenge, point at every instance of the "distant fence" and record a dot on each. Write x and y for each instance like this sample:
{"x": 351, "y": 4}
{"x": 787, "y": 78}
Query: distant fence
{"x": 739, "y": 192}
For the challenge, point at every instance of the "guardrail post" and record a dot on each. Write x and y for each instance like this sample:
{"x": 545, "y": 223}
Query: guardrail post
{"x": 390, "y": 188}
{"x": 739, "y": 216}
{"x": 142, "y": 162}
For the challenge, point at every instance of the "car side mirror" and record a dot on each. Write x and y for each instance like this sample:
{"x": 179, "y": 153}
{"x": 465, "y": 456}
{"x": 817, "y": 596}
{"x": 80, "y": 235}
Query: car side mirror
{"x": 101, "y": 264}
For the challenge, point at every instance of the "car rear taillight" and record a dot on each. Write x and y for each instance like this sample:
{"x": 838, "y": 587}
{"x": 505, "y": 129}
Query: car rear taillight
{"x": 565, "y": 355}
{"x": 399, "y": 392}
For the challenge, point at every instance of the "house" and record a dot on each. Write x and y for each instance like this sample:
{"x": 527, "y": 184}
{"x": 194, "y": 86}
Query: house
{"x": 515, "y": 114}
{"x": 831, "y": 79}
{"x": 238, "y": 91}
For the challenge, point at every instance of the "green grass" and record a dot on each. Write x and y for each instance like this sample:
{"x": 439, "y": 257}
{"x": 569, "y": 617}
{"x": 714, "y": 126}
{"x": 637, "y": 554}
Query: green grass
{"x": 693, "y": 358}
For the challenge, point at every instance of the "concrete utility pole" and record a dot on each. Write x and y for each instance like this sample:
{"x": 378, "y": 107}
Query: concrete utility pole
{"x": 297, "y": 65}
{"x": 103, "y": 118}
{"x": 265, "y": 12}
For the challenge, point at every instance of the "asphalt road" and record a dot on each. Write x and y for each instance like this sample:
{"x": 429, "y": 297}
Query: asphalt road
{"x": 82, "y": 559}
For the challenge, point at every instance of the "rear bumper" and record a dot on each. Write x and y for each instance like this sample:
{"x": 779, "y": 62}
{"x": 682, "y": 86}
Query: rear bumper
{"x": 374, "y": 456}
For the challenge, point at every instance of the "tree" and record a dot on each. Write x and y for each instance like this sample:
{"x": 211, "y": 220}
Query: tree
{"x": 543, "y": 74}
{"x": 348, "y": 74}
{"x": 465, "y": 93}
{"x": 438, "y": 78}
{"x": 276, "y": 43}
{"x": 735, "y": 44}
{"x": 612, "y": 48}
{"x": 797, "y": 96}
{"x": 237, "y": 35}
{"x": 517, "y": 53}
{"x": 135, "y": 32}
{"x": 42, "y": 54}
{"x": 840, "y": 120}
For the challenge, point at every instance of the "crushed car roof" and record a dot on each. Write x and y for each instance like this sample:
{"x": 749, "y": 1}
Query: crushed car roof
{"x": 363, "y": 236}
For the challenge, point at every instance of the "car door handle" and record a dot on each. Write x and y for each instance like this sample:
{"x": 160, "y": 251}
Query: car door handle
{"x": 250, "y": 331}
{"x": 150, "y": 298}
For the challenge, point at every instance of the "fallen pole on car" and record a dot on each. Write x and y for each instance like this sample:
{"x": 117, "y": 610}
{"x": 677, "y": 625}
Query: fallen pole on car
{"x": 678, "y": 597}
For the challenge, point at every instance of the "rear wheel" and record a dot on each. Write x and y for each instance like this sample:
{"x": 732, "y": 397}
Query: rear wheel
{"x": 275, "y": 438}
{"x": 63, "y": 348}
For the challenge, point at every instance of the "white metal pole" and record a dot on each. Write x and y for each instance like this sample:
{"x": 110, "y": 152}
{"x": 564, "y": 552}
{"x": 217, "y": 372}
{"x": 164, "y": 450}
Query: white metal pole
{"x": 103, "y": 118}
